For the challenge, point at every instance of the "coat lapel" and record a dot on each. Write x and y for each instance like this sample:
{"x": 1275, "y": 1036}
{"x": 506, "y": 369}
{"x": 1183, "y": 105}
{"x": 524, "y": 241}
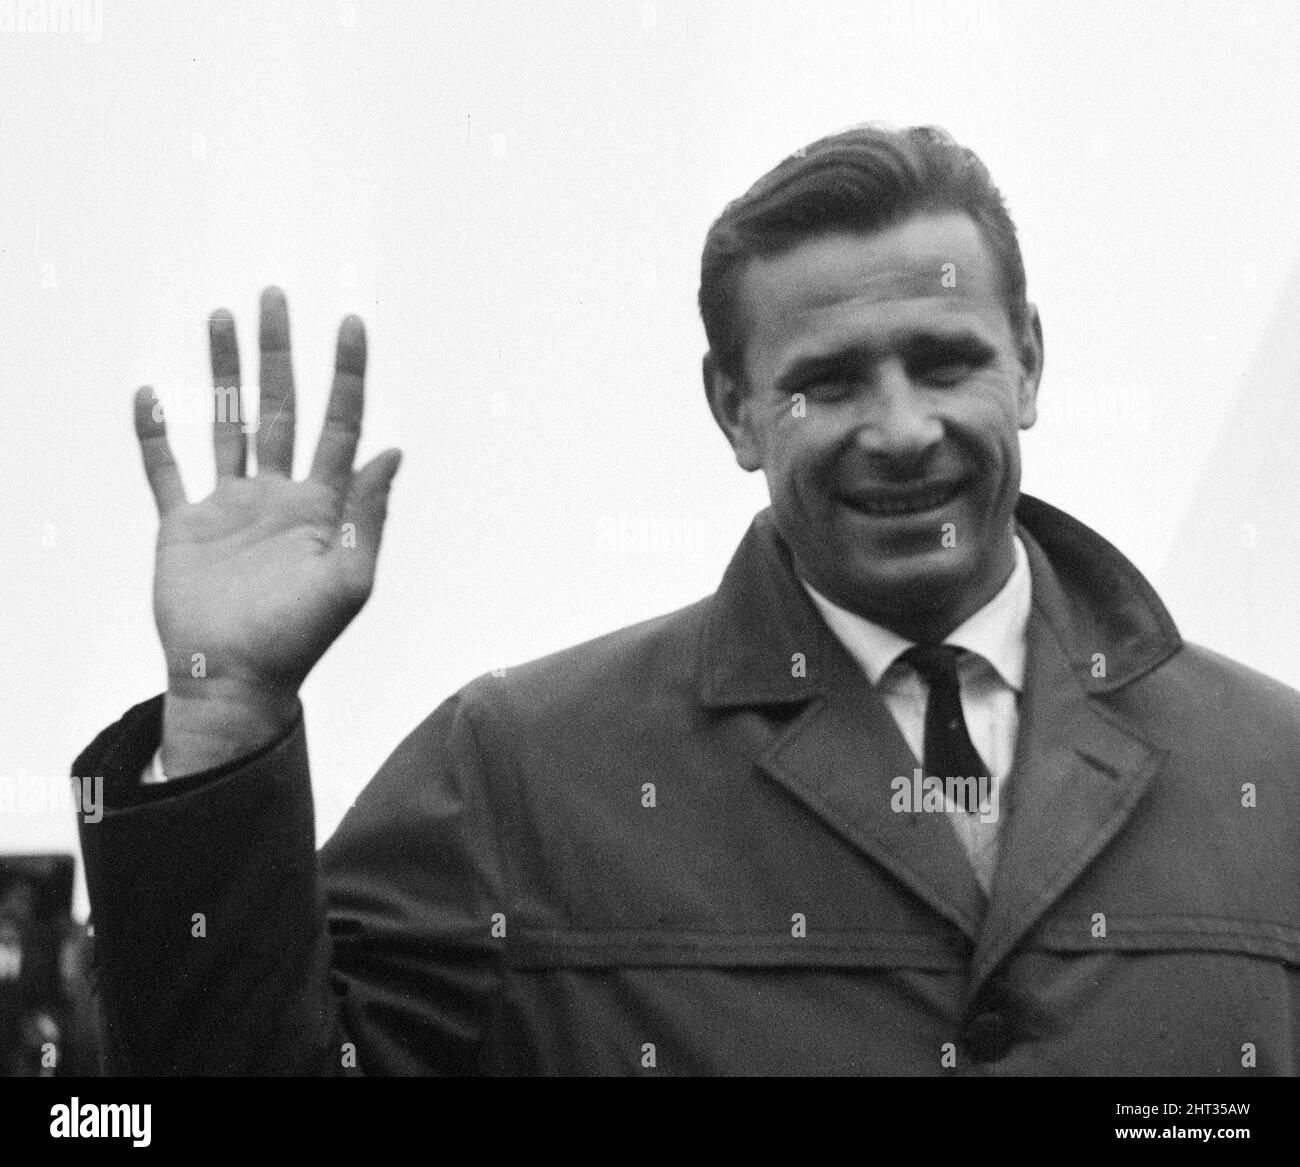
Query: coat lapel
{"x": 1080, "y": 770}
{"x": 1080, "y": 767}
{"x": 842, "y": 748}
{"x": 840, "y": 759}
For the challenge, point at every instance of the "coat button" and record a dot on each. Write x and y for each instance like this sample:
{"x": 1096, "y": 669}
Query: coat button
{"x": 988, "y": 1037}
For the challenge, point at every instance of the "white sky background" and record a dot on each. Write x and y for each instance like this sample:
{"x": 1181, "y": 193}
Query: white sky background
{"x": 514, "y": 196}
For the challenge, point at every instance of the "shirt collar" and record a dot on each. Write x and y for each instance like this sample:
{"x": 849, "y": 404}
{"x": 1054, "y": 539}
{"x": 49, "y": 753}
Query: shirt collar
{"x": 996, "y": 632}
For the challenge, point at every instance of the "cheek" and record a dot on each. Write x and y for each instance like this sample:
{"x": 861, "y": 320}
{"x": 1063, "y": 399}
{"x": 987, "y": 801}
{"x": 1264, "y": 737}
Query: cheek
{"x": 801, "y": 445}
{"x": 989, "y": 422}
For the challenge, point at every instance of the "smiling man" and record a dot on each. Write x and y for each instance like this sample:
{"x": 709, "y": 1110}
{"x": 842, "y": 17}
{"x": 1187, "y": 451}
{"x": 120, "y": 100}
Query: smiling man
{"x": 881, "y": 389}
{"x": 930, "y": 786}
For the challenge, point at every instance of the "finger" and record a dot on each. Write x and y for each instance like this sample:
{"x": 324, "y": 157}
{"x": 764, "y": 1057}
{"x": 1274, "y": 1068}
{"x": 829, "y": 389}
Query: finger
{"x": 228, "y": 438}
{"x": 159, "y": 464}
{"x": 276, "y": 420}
{"x": 364, "y": 513}
{"x": 338, "y": 438}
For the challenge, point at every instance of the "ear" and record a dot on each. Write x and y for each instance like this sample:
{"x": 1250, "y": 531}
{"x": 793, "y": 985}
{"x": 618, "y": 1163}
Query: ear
{"x": 733, "y": 409}
{"x": 1031, "y": 364}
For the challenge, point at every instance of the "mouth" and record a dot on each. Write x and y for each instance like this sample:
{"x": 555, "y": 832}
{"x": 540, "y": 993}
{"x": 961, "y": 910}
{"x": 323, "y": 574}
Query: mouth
{"x": 892, "y": 501}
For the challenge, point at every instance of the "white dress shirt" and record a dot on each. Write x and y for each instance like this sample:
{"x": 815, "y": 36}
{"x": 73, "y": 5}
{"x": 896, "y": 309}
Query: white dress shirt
{"x": 991, "y": 675}
{"x": 155, "y": 771}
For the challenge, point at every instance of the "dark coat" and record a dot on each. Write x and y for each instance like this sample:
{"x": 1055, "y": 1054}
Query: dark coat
{"x": 502, "y": 898}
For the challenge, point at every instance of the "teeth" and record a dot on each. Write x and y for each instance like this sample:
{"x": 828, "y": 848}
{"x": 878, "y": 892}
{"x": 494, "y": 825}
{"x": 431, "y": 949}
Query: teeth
{"x": 914, "y": 503}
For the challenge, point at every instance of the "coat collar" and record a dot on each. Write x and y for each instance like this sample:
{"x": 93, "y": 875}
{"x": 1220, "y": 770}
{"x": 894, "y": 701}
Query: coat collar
{"x": 765, "y": 643}
{"x": 1080, "y": 768}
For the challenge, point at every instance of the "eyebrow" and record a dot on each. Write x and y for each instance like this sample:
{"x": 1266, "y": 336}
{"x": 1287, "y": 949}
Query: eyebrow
{"x": 851, "y": 358}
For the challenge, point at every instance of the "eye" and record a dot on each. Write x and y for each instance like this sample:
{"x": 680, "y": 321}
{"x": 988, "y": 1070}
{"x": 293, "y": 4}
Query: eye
{"x": 945, "y": 372}
{"x": 828, "y": 388}
{"x": 948, "y": 367}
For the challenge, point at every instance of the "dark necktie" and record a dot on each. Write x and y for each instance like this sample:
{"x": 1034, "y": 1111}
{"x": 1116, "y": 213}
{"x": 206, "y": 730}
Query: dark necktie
{"x": 949, "y": 752}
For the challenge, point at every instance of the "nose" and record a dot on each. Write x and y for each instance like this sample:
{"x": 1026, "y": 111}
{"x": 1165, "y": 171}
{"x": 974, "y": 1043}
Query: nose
{"x": 898, "y": 422}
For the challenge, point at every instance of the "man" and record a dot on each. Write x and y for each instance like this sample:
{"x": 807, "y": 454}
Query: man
{"x": 931, "y": 785}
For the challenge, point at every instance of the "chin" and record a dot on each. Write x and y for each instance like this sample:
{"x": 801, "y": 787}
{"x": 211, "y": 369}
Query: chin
{"x": 910, "y": 587}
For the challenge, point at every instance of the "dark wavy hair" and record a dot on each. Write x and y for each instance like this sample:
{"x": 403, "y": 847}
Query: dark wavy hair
{"x": 862, "y": 180}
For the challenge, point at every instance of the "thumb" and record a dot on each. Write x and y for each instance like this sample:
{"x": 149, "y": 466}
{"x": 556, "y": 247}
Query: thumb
{"x": 366, "y": 507}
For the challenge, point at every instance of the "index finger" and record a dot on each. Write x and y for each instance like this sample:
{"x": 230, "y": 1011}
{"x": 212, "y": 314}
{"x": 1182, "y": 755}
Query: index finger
{"x": 342, "y": 430}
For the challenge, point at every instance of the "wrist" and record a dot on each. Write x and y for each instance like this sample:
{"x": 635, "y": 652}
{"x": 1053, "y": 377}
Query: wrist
{"x": 220, "y": 724}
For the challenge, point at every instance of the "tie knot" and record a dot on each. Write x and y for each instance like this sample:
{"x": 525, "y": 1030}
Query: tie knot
{"x": 936, "y": 663}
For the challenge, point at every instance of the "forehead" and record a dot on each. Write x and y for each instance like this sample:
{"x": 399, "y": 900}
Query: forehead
{"x": 931, "y": 271}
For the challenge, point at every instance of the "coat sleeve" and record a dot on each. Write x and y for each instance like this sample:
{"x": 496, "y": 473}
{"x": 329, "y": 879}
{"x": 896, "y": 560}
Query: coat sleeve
{"x": 225, "y": 945}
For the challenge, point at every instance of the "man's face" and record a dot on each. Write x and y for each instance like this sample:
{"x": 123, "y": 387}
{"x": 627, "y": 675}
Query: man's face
{"x": 885, "y": 391}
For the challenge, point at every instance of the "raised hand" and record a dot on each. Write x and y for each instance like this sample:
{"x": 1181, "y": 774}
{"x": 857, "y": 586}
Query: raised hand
{"x": 253, "y": 583}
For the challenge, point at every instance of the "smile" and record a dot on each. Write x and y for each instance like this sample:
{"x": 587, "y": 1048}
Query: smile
{"x": 904, "y": 502}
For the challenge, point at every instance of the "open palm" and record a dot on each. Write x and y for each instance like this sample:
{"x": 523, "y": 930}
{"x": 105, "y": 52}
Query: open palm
{"x": 253, "y": 583}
